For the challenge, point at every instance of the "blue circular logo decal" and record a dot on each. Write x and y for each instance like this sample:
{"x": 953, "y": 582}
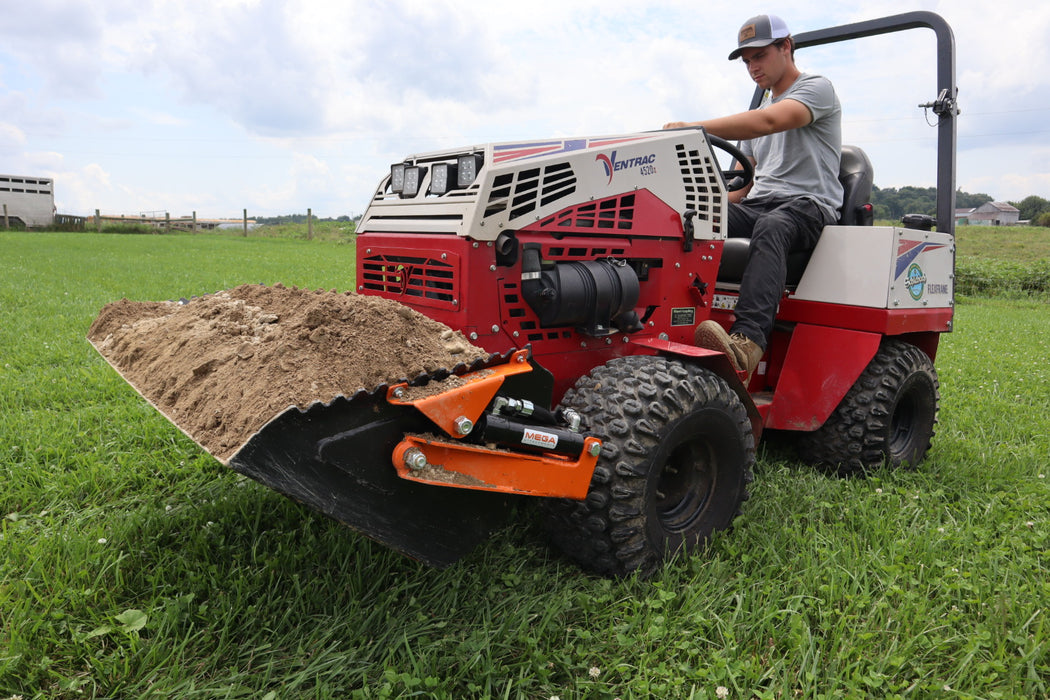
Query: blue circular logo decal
{"x": 916, "y": 282}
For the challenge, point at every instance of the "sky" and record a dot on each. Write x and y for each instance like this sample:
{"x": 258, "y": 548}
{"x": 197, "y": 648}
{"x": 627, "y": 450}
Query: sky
{"x": 277, "y": 106}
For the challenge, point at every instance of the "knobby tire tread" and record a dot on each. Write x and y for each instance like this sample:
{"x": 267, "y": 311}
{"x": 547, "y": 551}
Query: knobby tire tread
{"x": 859, "y": 436}
{"x": 632, "y": 403}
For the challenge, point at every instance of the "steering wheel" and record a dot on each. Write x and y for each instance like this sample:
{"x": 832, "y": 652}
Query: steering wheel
{"x": 737, "y": 178}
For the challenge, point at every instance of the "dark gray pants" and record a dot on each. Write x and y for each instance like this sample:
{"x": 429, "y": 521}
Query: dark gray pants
{"x": 776, "y": 228}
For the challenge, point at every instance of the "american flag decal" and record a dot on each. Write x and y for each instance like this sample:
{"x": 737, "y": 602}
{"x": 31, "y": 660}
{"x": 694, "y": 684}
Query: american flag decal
{"x": 507, "y": 152}
{"x": 907, "y": 251}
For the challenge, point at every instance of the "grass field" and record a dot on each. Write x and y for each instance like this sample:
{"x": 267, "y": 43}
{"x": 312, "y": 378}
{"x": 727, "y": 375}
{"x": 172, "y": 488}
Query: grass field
{"x": 1004, "y": 243}
{"x": 133, "y": 565}
{"x": 1003, "y": 261}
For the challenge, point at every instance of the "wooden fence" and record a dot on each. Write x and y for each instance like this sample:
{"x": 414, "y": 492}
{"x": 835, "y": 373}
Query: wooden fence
{"x": 169, "y": 223}
{"x": 165, "y": 223}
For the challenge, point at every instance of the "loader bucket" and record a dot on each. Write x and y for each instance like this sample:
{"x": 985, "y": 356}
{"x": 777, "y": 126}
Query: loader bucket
{"x": 268, "y": 381}
{"x": 335, "y": 458}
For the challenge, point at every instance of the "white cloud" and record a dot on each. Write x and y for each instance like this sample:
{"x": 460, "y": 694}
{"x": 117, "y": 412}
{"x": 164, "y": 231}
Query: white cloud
{"x": 62, "y": 39}
{"x": 82, "y": 189}
{"x": 12, "y": 140}
{"x": 159, "y": 117}
{"x": 277, "y": 105}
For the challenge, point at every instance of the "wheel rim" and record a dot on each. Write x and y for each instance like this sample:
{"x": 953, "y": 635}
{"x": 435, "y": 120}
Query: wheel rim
{"x": 902, "y": 425}
{"x": 685, "y": 486}
{"x": 909, "y": 420}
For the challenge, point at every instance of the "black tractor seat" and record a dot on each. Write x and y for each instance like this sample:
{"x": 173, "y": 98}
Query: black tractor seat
{"x": 856, "y": 176}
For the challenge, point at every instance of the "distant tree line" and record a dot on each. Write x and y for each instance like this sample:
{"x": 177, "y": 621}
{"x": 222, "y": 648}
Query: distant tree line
{"x": 891, "y": 203}
{"x": 297, "y": 219}
{"x": 1035, "y": 209}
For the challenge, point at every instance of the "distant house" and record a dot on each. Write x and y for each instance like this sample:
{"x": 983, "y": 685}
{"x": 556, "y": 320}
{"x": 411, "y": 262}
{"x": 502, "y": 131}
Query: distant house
{"x": 29, "y": 200}
{"x": 992, "y": 214}
{"x": 962, "y": 216}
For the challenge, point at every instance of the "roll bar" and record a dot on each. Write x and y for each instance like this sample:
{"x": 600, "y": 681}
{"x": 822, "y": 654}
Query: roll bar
{"x": 945, "y": 105}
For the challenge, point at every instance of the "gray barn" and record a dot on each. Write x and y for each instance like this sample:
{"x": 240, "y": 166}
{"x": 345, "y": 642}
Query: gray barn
{"x": 995, "y": 214}
{"x": 30, "y": 200}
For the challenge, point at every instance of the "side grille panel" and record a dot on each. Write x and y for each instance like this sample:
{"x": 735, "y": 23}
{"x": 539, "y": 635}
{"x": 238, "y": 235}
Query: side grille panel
{"x": 411, "y": 277}
{"x": 700, "y": 176}
{"x": 614, "y": 214}
{"x": 524, "y": 191}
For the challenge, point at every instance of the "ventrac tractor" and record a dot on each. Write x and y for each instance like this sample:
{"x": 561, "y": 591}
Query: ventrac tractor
{"x": 584, "y": 265}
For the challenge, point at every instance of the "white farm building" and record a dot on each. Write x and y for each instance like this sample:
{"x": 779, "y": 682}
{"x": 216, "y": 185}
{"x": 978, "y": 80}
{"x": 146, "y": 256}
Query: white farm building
{"x": 30, "y": 200}
{"x": 989, "y": 214}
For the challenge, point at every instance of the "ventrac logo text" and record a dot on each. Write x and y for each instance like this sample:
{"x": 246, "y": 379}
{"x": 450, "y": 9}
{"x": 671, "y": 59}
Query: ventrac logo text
{"x": 646, "y": 165}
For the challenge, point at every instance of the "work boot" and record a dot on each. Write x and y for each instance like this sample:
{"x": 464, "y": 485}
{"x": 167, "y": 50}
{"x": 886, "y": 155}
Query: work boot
{"x": 742, "y": 352}
{"x": 748, "y": 354}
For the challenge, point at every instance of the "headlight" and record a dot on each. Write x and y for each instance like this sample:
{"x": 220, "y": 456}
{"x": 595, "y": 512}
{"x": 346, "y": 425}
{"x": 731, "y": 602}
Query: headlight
{"x": 397, "y": 178}
{"x": 405, "y": 179}
{"x": 413, "y": 176}
{"x": 454, "y": 176}
{"x": 441, "y": 174}
{"x": 467, "y": 170}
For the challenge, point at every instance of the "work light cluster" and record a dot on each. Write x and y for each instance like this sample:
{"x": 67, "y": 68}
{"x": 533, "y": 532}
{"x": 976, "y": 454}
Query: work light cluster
{"x": 406, "y": 179}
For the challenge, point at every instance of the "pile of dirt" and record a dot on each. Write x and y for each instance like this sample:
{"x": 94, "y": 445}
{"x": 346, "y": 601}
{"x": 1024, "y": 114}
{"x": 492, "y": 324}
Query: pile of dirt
{"x": 221, "y": 366}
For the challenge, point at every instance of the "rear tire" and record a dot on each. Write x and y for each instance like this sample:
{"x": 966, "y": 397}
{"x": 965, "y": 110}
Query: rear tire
{"x": 676, "y": 460}
{"x": 887, "y": 418}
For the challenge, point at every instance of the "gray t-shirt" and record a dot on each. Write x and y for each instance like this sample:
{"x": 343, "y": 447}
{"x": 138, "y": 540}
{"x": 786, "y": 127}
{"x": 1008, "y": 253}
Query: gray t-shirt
{"x": 802, "y": 162}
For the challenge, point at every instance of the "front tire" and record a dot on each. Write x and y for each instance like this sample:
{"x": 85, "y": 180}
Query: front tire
{"x": 676, "y": 460}
{"x": 887, "y": 418}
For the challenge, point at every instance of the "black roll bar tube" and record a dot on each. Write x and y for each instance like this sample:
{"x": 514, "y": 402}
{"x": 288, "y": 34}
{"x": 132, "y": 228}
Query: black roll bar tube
{"x": 945, "y": 106}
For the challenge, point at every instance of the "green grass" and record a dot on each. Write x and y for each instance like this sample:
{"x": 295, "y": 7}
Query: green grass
{"x": 1022, "y": 244}
{"x": 133, "y": 565}
{"x": 1003, "y": 261}
{"x": 322, "y": 231}
{"x": 326, "y": 230}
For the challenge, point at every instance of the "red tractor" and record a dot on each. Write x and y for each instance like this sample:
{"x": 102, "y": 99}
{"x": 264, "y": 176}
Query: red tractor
{"x": 584, "y": 265}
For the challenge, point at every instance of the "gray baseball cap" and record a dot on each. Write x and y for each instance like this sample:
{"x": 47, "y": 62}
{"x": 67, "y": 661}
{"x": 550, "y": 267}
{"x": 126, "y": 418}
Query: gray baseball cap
{"x": 759, "y": 31}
